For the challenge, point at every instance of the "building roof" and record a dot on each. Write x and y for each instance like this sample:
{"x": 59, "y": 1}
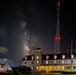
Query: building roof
{"x": 51, "y": 56}
{"x": 38, "y": 49}
{"x": 28, "y": 57}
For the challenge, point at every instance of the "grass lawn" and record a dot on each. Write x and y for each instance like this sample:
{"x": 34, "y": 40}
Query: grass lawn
{"x": 51, "y": 74}
{"x": 55, "y": 74}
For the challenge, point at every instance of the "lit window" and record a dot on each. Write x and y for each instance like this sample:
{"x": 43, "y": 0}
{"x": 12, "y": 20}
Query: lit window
{"x": 54, "y": 67}
{"x": 37, "y": 68}
{"x": 32, "y": 57}
{"x": 37, "y": 57}
{"x": 62, "y": 61}
{"x": 63, "y": 56}
{"x": 47, "y": 57}
{"x": 54, "y": 61}
{"x": 37, "y": 62}
{"x": 32, "y": 68}
{"x": 55, "y": 56}
{"x": 72, "y": 56}
{"x": 46, "y": 68}
{"x": 25, "y": 58}
{"x": 46, "y": 62}
{"x": 62, "y": 67}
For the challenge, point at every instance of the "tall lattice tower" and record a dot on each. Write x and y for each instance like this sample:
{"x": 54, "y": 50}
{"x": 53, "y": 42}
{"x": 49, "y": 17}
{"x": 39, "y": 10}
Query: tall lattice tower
{"x": 57, "y": 37}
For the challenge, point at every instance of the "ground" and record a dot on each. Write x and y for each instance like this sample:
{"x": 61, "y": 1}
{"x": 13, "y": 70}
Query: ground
{"x": 50, "y": 74}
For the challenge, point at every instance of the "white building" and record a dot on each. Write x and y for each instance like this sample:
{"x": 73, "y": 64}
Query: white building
{"x": 4, "y": 67}
{"x": 49, "y": 62}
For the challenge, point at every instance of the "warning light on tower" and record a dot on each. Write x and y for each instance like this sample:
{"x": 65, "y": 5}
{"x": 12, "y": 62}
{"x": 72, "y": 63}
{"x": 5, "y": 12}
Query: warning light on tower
{"x": 57, "y": 38}
{"x": 58, "y": 3}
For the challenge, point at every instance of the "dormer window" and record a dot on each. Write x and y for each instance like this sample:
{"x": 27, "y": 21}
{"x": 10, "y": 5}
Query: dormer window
{"x": 32, "y": 57}
{"x": 63, "y": 56}
{"x": 72, "y": 56}
{"x": 25, "y": 58}
{"x": 55, "y": 56}
{"x": 47, "y": 57}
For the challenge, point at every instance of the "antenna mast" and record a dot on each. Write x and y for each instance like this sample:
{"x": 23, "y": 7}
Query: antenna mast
{"x": 57, "y": 37}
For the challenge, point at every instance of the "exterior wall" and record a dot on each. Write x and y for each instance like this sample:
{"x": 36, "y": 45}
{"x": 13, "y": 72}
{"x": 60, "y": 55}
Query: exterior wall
{"x": 23, "y": 63}
{"x": 48, "y": 67}
{"x": 37, "y": 62}
{"x": 49, "y": 61}
{"x": 28, "y": 63}
{"x": 74, "y": 61}
{"x": 68, "y": 61}
{"x": 52, "y": 61}
{"x": 59, "y": 61}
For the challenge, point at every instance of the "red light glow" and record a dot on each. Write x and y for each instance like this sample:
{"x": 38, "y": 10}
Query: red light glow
{"x": 58, "y": 3}
{"x": 57, "y": 38}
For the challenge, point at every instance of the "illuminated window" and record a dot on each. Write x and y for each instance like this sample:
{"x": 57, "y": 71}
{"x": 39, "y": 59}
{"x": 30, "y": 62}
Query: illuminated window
{"x": 46, "y": 68}
{"x": 37, "y": 62}
{"x": 62, "y": 67}
{"x": 47, "y": 57}
{"x": 55, "y": 56}
{"x": 46, "y": 62}
{"x": 54, "y": 61}
{"x": 63, "y": 56}
{"x": 32, "y": 68}
{"x": 62, "y": 61}
{"x": 32, "y": 57}
{"x": 37, "y": 57}
{"x": 72, "y": 56}
{"x": 54, "y": 67}
{"x": 25, "y": 58}
{"x": 37, "y": 68}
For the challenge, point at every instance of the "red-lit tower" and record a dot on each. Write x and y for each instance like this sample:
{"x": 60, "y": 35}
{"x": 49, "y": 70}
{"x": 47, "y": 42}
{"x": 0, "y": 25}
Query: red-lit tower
{"x": 57, "y": 37}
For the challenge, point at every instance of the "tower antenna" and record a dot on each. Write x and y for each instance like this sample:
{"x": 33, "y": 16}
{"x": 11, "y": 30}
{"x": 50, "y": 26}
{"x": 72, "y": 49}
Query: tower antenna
{"x": 57, "y": 37}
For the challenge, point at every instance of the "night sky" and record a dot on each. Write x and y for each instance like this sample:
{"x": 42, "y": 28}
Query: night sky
{"x": 27, "y": 24}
